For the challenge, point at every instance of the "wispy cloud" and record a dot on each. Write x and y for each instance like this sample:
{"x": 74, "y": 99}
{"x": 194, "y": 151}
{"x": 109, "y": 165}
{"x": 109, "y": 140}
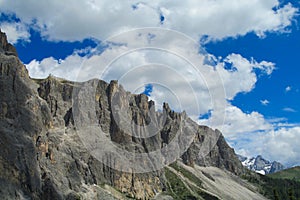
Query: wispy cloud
{"x": 275, "y": 120}
{"x": 264, "y": 102}
{"x": 287, "y": 109}
{"x": 288, "y": 88}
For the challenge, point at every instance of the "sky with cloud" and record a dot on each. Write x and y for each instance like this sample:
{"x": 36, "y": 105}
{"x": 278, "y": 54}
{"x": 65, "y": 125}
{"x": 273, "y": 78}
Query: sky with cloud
{"x": 231, "y": 65}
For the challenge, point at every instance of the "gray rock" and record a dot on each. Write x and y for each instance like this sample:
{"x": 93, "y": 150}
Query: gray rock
{"x": 276, "y": 167}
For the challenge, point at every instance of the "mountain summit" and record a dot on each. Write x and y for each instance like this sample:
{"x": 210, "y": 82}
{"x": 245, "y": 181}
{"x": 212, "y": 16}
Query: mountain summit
{"x": 44, "y": 153}
{"x": 261, "y": 165}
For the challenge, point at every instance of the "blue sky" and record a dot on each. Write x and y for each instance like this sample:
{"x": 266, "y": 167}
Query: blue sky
{"x": 253, "y": 48}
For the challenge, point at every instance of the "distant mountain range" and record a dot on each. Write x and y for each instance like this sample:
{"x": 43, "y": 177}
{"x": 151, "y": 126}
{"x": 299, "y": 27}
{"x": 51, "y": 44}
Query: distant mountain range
{"x": 261, "y": 165}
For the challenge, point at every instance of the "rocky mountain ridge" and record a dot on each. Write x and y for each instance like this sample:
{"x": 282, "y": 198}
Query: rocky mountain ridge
{"x": 261, "y": 165}
{"x": 43, "y": 155}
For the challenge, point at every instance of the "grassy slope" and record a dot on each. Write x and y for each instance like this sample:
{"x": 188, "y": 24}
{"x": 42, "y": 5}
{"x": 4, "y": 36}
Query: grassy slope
{"x": 291, "y": 174}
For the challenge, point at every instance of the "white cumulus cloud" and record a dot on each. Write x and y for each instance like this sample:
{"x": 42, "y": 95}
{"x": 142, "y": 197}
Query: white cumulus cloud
{"x": 69, "y": 20}
{"x": 281, "y": 145}
{"x": 236, "y": 122}
{"x": 15, "y": 32}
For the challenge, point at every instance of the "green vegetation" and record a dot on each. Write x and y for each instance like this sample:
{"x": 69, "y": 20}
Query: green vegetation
{"x": 187, "y": 174}
{"x": 275, "y": 188}
{"x": 176, "y": 187}
{"x": 203, "y": 194}
{"x": 281, "y": 188}
{"x": 291, "y": 174}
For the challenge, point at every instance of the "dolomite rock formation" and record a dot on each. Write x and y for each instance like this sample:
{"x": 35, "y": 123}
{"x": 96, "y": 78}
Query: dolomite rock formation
{"x": 42, "y": 153}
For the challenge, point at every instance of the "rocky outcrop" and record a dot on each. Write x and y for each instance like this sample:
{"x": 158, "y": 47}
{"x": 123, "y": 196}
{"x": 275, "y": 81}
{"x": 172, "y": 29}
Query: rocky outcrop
{"x": 23, "y": 117}
{"x": 6, "y": 47}
{"x": 43, "y": 155}
{"x": 276, "y": 167}
{"x": 209, "y": 148}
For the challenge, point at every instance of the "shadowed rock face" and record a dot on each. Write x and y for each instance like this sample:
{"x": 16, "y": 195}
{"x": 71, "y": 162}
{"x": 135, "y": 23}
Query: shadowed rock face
{"x": 276, "y": 167}
{"x": 43, "y": 157}
{"x": 6, "y": 47}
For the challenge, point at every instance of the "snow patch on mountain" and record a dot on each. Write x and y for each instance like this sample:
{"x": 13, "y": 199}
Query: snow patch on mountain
{"x": 261, "y": 165}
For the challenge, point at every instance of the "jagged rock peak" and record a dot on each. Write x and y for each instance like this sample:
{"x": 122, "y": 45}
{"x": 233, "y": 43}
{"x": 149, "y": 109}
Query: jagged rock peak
{"x": 5, "y": 46}
{"x": 261, "y": 165}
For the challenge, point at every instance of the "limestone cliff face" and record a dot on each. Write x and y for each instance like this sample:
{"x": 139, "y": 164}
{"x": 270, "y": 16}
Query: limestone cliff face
{"x": 43, "y": 157}
{"x": 219, "y": 155}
